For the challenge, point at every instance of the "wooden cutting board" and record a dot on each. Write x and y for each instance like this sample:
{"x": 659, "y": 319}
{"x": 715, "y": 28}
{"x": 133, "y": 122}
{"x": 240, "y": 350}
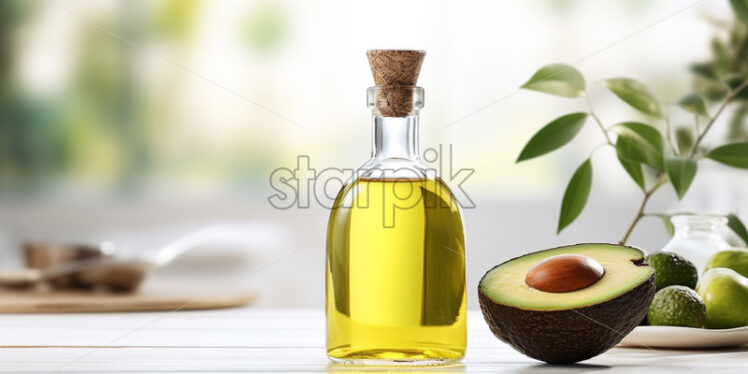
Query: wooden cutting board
{"x": 159, "y": 296}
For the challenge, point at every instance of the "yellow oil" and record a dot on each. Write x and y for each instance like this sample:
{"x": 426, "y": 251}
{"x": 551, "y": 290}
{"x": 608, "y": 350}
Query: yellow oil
{"x": 395, "y": 274}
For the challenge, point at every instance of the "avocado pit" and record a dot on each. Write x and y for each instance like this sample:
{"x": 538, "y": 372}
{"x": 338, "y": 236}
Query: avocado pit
{"x": 564, "y": 273}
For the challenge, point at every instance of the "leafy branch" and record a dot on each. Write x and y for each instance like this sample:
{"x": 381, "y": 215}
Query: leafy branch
{"x": 640, "y": 214}
{"x": 640, "y": 147}
{"x": 597, "y": 120}
{"x": 727, "y": 100}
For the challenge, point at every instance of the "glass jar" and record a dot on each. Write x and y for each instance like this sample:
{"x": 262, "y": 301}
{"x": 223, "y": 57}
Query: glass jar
{"x": 697, "y": 238}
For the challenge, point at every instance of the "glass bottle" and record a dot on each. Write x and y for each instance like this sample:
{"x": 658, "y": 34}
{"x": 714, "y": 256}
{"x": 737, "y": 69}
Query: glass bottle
{"x": 697, "y": 238}
{"x": 395, "y": 249}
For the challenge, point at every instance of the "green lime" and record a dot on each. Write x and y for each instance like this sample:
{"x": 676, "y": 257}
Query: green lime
{"x": 677, "y": 306}
{"x": 672, "y": 270}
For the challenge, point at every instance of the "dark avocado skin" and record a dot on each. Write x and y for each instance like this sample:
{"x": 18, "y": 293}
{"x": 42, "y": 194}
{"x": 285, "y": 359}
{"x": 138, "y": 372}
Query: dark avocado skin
{"x": 572, "y": 335}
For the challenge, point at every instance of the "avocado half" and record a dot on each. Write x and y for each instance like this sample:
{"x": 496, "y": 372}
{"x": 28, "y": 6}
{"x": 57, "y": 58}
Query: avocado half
{"x": 567, "y": 327}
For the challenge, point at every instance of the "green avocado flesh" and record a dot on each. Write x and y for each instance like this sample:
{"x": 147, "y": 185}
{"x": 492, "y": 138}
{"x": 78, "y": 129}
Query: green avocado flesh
{"x": 505, "y": 284}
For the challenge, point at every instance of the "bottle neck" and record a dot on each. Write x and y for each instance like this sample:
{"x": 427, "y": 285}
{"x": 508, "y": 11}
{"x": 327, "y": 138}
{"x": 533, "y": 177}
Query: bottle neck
{"x": 395, "y": 137}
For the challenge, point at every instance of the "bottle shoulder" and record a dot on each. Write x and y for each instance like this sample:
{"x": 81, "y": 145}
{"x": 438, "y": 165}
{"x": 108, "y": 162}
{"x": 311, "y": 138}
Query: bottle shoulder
{"x": 395, "y": 168}
{"x": 434, "y": 192}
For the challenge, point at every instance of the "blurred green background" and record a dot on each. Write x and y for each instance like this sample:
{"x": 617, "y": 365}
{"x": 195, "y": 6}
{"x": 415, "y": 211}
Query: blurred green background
{"x": 132, "y": 97}
{"x": 87, "y": 113}
{"x": 140, "y": 117}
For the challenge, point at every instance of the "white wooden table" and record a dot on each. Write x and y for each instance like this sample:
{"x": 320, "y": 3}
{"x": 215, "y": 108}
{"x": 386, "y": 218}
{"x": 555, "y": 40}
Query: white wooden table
{"x": 256, "y": 340}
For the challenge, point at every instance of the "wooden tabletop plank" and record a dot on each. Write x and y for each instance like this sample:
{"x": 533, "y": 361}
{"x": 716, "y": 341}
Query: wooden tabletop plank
{"x": 254, "y": 340}
{"x": 312, "y": 360}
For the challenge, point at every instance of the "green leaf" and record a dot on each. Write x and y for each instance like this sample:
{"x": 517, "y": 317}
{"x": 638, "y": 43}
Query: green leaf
{"x": 553, "y": 135}
{"x": 741, "y": 9}
{"x": 641, "y": 143}
{"x": 557, "y": 79}
{"x": 575, "y": 197}
{"x": 734, "y": 80}
{"x": 681, "y": 172}
{"x": 737, "y": 227}
{"x": 735, "y": 154}
{"x": 705, "y": 70}
{"x": 684, "y": 139}
{"x": 634, "y": 169}
{"x": 738, "y": 122}
{"x": 635, "y": 94}
{"x": 666, "y": 222}
{"x": 722, "y": 56}
{"x": 694, "y": 104}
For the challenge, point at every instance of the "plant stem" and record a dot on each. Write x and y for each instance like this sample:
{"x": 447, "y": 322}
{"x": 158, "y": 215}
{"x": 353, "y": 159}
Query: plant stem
{"x": 598, "y": 147}
{"x": 597, "y": 120}
{"x": 662, "y": 179}
{"x": 709, "y": 124}
{"x": 696, "y": 123}
{"x": 640, "y": 212}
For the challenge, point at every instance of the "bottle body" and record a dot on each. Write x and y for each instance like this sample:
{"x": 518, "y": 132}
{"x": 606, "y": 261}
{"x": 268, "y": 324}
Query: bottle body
{"x": 395, "y": 273}
{"x": 395, "y": 278}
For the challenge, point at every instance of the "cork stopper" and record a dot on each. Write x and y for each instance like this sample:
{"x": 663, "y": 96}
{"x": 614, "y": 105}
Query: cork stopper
{"x": 395, "y": 67}
{"x": 396, "y": 74}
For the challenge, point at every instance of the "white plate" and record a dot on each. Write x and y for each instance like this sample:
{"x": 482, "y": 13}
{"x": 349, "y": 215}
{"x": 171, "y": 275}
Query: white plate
{"x": 685, "y": 337}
